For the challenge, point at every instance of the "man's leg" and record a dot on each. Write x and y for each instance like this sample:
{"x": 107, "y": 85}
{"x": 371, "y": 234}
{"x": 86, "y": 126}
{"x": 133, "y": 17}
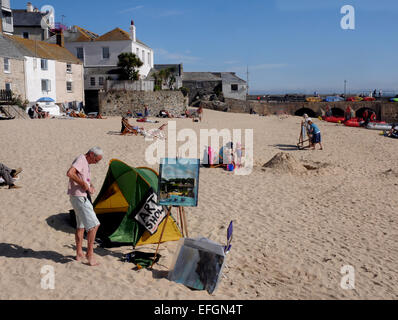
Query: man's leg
{"x": 90, "y": 246}
{"x": 79, "y": 235}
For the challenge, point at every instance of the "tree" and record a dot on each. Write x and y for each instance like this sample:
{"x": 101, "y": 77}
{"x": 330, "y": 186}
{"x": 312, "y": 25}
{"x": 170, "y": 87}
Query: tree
{"x": 129, "y": 65}
{"x": 165, "y": 77}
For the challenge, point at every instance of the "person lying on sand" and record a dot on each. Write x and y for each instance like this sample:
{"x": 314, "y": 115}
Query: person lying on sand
{"x": 9, "y": 175}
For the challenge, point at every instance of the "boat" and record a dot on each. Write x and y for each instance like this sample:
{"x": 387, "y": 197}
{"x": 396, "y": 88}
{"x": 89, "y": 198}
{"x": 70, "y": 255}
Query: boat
{"x": 334, "y": 119}
{"x": 354, "y": 99}
{"x": 355, "y": 122}
{"x": 380, "y": 126}
{"x": 333, "y": 99}
{"x": 394, "y": 99}
{"x": 369, "y": 99}
{"x": 313, "y": 99}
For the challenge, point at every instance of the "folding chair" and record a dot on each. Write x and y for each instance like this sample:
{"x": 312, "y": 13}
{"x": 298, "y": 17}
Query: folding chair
{"x": 304, "y": 136}
{"x": 128, "y": 129}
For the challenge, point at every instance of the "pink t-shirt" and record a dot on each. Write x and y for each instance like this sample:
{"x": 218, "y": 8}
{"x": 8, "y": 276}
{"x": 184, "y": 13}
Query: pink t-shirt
{"x": 83, "y": 171}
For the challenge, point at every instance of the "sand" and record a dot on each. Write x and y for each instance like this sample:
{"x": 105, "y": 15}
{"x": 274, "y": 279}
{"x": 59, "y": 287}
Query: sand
{"x": 293, "y": 229}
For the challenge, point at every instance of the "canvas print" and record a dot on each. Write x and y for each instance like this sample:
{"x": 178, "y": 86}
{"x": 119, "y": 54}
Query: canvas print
{"x": 179, "y": 182}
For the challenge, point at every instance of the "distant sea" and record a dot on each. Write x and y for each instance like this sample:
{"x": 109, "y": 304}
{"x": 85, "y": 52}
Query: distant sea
{"x": 350, "y": 92}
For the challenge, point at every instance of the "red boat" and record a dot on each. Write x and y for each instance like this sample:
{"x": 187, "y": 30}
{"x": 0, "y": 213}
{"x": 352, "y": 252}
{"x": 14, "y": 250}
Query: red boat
{"x": 354, "y": 122}
{"x": 369, "y": 99}
{"x": 334, "y": 119}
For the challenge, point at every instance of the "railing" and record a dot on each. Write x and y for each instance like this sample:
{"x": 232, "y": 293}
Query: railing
{"x": 5, "y": 96}
{"x": 129, "y": 85}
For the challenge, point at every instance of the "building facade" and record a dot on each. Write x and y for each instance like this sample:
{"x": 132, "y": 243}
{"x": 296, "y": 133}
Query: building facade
{"x": 12, "y": 68}
{"x": 103, "y": 51}
{"x": 51, "y": 71}
{"x": 6, "y": 23}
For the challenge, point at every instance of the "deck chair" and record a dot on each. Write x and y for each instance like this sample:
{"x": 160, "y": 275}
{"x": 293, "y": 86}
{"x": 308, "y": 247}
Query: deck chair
{"x": 127, "y": 128}
{"x": 156, "y": 133}
{"x": 304, "y": 138}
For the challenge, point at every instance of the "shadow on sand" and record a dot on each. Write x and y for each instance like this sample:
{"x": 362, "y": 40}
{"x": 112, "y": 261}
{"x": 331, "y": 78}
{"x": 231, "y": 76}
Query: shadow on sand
{"x": 9, "y": 250}
{"x": 61, "y": 222}
{"x": 285, "y": 147}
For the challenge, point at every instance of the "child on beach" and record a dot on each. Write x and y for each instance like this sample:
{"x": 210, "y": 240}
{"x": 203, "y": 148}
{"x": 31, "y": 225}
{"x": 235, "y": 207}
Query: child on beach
{"x": 316, "y": 135}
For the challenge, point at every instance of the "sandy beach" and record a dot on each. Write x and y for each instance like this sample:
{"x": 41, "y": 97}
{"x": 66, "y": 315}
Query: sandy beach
{"x": 293, "y": 230}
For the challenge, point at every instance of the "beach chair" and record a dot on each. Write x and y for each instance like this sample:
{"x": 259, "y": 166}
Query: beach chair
{"x": 127, "y": 128}
{"x": 304, "y": 138}
{"x": 156, "y": 133}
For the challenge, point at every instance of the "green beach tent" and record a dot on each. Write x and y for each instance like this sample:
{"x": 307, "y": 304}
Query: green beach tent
{"x": 123, "y": 190}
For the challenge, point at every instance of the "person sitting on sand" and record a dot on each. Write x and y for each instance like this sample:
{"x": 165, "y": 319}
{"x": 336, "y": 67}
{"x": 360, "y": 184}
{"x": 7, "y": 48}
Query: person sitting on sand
{"x": 9, "y": 176}
{"x": 316, "y": 135}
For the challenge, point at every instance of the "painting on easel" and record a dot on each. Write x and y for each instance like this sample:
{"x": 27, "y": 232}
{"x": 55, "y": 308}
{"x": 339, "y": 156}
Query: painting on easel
{"x": 179, "y": 182}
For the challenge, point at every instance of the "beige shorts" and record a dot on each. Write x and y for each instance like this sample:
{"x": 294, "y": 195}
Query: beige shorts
{"x": 85, "y": 215}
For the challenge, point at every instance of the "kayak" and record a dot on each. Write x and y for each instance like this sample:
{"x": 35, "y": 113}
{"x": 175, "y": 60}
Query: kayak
{"x": 313, "y": 99}
{"x": 334, "y": 119}
{"x": 355, "y": 99}
{"x": 394, "y": 99}
{"x": 369, "y": 99}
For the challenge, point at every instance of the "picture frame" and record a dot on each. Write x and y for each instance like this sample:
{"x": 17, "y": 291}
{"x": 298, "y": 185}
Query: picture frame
{"x": 178, "y": 182}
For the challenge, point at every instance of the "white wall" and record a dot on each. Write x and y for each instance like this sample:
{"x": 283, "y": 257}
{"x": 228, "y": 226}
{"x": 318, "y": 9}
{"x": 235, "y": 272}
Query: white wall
{"x": 34, "y": 75}
{"x": 93, "y": 53}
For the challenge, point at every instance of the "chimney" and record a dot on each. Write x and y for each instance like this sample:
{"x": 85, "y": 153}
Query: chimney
{"x": 29, "y": 7}
{"x": 61, "y": 39}
{"x": 132, "y": 31}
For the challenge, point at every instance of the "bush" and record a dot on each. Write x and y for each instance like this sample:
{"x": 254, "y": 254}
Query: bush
{"x": 184, "y": 91}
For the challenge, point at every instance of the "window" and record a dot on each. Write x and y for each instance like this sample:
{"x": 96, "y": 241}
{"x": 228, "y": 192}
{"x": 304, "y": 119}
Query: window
{"x": 6, "y": 65}
{"x": 101, "y": 81}
{"x": 7, "y": 16}
{"x": 137, "y": 53}
{"x": 25, "y": 35}
{"x": 234, "y": 87}
{"x": 92, "y": 81}
{"x": 79, "y": 53}
{"x": 143, "y": 56}
{"x": 69, "y": 86}
{"x": 45, "y": 85}
{"x": 69, "y": 68}
{"x": 44, "y": 64}
{"x": 105, "y": 53}
{"x": 149, "y": 58}
{"x": 8, "y": 86}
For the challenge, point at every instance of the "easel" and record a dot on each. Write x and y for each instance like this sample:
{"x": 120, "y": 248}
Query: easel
{"x": 304, "y": 136}
{"x": 183, "y": 227}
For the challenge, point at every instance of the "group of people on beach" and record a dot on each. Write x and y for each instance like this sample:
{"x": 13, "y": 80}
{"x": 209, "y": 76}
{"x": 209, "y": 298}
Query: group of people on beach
{"x": 36, "y": 112}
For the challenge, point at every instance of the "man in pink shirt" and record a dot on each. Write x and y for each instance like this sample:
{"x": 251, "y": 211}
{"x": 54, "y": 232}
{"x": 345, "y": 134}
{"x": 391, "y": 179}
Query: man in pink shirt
{"x": 79, "y": 190}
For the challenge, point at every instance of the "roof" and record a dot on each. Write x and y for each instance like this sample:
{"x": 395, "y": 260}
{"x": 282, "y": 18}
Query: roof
{"x": 9, "y": 50}
{"x": 229, "y": 77}
{"x": 22, "y": 18}
{"x": 116, "y": 34}
{"x": 44, "y": 50}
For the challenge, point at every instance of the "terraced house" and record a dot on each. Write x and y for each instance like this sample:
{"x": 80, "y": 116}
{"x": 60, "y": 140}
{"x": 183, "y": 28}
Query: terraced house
{"x": 12, "y": 68}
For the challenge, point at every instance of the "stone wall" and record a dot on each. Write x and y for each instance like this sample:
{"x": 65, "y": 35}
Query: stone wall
{"x": 117, "y": 103}
{"x": 386, "y": 111}
{"x": 16, "y": 77}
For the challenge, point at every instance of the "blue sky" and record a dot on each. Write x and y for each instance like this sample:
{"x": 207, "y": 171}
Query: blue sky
{"x": 288, "y": 45}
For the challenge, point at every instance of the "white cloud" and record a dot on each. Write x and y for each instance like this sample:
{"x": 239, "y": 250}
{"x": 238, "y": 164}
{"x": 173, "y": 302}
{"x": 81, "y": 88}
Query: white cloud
{"x": 131, "y": 9}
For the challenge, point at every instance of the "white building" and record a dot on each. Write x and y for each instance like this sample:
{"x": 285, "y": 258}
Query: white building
{"x": 6, "y": 23}
{"x": 102, "y": 51}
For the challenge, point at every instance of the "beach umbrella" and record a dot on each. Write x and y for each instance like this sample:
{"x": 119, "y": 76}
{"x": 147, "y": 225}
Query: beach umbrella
{"x": 45, "y": 99}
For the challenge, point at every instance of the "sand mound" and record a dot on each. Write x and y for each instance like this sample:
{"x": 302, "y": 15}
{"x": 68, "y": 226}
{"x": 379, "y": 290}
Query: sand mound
{"x": 285, "y": 162}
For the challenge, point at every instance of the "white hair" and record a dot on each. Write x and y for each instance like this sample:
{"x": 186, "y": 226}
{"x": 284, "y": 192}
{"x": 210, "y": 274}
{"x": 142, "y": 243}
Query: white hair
{"x": 97, "y": 151}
